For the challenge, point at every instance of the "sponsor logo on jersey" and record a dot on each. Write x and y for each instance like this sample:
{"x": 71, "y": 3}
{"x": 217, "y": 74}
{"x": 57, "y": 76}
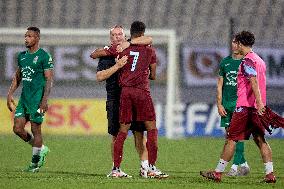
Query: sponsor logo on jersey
{"x": 232, "y": 78}
{"x": 26, "y": 73}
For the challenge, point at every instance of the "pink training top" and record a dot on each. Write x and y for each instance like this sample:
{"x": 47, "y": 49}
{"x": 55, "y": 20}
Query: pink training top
{"x": 251, "y": 66}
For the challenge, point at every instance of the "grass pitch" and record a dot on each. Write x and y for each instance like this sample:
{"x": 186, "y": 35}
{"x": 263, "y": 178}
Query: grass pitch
{"x": 83, "y": 162}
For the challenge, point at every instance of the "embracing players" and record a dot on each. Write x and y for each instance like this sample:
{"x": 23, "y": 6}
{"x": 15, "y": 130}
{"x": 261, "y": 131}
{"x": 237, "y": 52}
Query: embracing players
{"x": 135, "y": 101}
{"x": 107, "y": 70}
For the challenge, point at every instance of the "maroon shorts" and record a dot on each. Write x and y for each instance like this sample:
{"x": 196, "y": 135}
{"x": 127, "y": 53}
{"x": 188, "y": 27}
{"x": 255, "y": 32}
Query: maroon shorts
{"x": 244, "y": 122}
{"x": 136, "y": 105}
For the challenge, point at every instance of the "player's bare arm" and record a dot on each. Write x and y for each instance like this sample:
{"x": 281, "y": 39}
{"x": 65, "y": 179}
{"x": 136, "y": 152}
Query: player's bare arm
{"x": 152, "y": 68}
{"x": 105, "y": 74}
{"x": 98, "y": 53}
{"x": 49, "y": 79}
{"x": 142, "y": 40}
{"x": 256, "y": 92}
{"x": 221, "y": 110}
{"x": 14, "y": 85}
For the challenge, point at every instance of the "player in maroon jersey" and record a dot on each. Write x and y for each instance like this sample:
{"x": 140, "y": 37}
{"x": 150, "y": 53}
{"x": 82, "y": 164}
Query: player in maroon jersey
{"x": 108, "y": 70}
{"x": 135, "y": 101}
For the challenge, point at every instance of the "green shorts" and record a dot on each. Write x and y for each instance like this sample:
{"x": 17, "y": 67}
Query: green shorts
{"x": 29, "y": 112}
{"x": 225, "y": 121}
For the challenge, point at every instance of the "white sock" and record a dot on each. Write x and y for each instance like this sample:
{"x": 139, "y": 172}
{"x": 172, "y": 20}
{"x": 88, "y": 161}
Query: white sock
{"x": 234, "y": 167}
{"x": 245, "y": 164}
{"x": 268, "y": 167}
{"x": 144, "y": 163}
{"x": 36, "y": 150}
{"x": 113, "y": 167}
{"x": 221, "y": 165}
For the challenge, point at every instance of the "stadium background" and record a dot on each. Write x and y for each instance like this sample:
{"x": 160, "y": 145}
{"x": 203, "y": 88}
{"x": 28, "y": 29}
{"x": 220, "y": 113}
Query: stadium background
{"x": 203, "y": 29}
{"x": 75, "y": 126}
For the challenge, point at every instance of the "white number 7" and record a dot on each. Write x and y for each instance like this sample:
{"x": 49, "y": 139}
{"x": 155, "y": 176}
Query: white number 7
{"x": 135, "y": 59}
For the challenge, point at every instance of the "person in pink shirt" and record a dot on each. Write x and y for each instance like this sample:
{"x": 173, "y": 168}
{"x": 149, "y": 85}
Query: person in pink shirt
{"x": 251, "y": 102}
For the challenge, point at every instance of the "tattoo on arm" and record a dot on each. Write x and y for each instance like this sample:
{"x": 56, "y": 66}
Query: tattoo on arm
{"x": 49, "y": 80}
{"x": 16, "y": 82}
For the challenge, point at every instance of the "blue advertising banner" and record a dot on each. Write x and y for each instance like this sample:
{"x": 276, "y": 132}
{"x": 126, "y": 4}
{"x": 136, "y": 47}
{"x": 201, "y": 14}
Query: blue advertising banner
{"x": 201, "y": 119}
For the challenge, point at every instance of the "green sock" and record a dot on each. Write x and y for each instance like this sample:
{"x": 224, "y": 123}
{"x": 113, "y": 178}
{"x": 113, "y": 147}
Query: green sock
{"x": 239, "y": 154}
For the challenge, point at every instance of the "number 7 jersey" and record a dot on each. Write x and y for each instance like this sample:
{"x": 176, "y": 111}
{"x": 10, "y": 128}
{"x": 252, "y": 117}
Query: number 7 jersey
{"x": 136, "y": 71}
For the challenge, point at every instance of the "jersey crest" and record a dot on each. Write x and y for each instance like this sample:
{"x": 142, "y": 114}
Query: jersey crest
{"x": 35, "y": 59}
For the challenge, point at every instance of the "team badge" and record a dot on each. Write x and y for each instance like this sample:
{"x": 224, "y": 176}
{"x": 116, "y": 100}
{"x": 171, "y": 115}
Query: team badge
{"x": 35, "y": 60}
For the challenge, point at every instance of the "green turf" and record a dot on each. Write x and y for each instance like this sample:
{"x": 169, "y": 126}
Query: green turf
{"x": 83, "y": 162}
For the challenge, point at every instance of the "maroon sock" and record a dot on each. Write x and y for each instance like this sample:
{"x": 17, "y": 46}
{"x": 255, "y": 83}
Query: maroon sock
{"x": 152, "y": 145}
{"x": 118, "y": 148}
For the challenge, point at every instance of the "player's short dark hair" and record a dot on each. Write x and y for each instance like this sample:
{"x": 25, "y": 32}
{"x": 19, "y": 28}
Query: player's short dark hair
{"x": 137, "y": 28}
{"x": 245, "y": 37}
{"x": 35, "y": 29}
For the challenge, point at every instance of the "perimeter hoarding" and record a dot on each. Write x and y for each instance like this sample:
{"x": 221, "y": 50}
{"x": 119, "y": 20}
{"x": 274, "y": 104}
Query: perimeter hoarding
{"x": 200, "y": 65}
{"x": 88, "y": 117}
{"x": 66, "y": 116}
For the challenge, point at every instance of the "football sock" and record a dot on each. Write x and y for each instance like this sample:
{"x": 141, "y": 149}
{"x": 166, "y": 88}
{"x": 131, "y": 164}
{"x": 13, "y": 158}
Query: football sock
{"x": 118, "y": 148}
{"x": 144, "y": 163}
{"x": 221, "y": 165}
{"x": 234, "y": 167}
{"x": 268, "y": 167}
{"x": 152, "y": 145}
{"x": 239, "y": 154}
{"x": 36, "y": 152}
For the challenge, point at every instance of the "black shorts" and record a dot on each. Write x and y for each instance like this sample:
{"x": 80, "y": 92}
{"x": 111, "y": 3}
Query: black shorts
{"x": 112, "y": 108}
